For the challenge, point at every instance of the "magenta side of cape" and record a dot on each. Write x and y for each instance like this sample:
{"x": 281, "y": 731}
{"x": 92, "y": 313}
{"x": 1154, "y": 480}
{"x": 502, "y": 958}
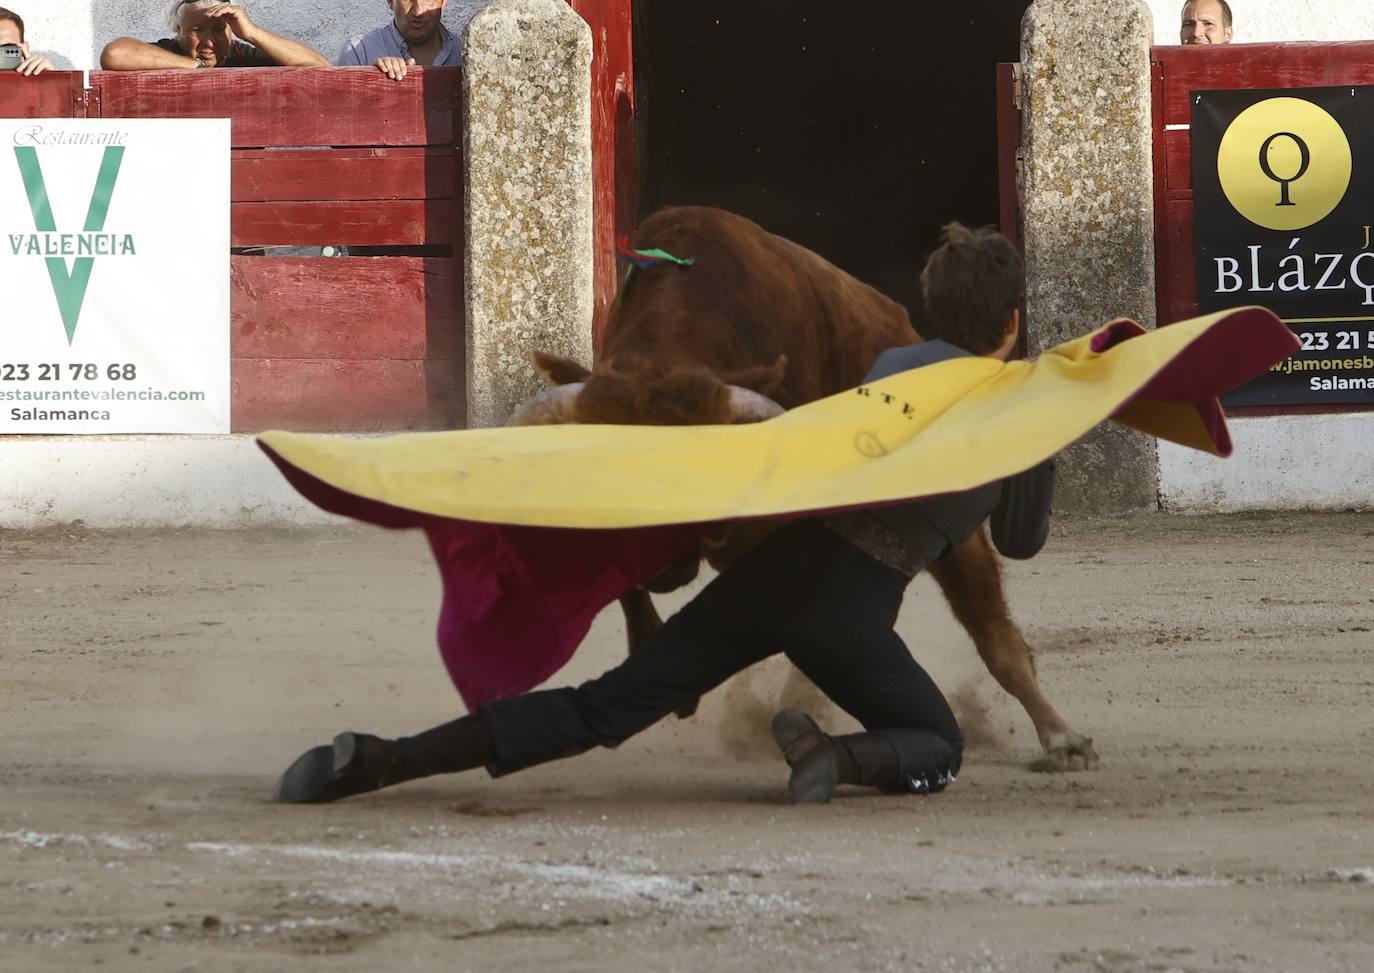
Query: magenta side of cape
{"x": 517, "y": 600}
{"x": 1236, "y": 349}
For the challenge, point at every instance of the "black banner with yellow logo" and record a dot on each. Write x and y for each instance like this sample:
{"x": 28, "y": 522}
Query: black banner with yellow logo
{"x": 1283, "y": 198}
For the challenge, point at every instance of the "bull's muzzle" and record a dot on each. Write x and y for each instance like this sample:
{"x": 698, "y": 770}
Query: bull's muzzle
{"x": 558, "y": 405}
{"x": 746, "y": 405}
{"x": 550, "y": 407}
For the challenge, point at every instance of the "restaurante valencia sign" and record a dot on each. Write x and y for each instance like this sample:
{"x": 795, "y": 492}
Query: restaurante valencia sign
{"x": 114, "y": 266}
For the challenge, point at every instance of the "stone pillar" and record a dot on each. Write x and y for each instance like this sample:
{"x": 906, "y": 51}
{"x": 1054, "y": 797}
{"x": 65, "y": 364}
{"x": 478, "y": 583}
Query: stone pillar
{"x": 527, "y": 198}
{"x": 1088, "y": 205}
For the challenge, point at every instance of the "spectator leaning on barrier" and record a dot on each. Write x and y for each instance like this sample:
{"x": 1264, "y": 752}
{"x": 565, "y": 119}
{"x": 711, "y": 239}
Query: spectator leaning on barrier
{"x": 1206, "y": 22}
{"x": 12, "y": 32}
{"x": 416, "y": 35}
{"x": 209, "y": 34}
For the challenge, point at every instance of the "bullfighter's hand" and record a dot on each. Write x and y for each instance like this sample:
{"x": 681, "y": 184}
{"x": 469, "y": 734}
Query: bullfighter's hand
{"x": 238, "y": 19}
{"x": 393, "y": 67}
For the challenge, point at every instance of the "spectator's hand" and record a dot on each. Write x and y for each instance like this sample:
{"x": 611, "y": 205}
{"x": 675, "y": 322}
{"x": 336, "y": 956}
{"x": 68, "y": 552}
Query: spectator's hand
{"x": 236, "y": 17}
{"x": 31, "y": 64}
{"x": 34, "y": 65}
{"x": 393, "y": 67}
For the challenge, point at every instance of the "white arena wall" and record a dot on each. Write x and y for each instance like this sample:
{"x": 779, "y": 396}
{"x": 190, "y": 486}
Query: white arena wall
{"x": 1320, "y": 462}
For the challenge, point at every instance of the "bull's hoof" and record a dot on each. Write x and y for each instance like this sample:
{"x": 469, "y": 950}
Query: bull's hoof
{"x": 1066, "y": 752}
{"x": 687, "y": 710}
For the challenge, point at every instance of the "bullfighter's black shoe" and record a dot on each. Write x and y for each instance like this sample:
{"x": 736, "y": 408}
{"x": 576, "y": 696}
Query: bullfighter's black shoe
{"x": 354, "y": 763}
{"x": 812, "y": 755}
{"x": 820, "y": 762}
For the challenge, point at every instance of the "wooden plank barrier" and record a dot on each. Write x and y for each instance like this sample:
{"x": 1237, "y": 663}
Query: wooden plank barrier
{"x": 338, "y": 157}
{"x": 613, "y": 141}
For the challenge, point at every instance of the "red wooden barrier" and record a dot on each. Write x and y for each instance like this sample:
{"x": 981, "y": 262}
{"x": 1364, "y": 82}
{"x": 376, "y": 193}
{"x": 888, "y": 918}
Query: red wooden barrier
{"x": 56, "y": 94}
{"x": 613, "y": 139}
{"x": 347, "y": 343}
{"x": 1175, "y": 73}
{"x": 289, "y": 106}
{"x": 343, "y": 156}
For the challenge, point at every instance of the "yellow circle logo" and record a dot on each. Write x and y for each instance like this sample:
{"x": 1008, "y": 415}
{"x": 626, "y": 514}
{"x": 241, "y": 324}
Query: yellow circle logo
{"x": 1284, "y": 163}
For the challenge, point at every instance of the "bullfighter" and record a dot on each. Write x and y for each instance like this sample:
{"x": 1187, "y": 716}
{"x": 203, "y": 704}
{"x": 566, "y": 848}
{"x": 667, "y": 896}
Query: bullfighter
{"x": 824, "y": 590}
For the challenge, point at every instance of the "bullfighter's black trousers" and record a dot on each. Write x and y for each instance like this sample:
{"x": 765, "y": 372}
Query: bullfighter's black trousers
{"x": 806, "y": 592}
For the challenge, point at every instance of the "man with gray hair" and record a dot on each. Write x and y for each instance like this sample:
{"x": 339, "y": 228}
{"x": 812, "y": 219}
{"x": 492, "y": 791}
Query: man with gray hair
{"x": 414, "y": 35}
{"x": 209, "y": 34}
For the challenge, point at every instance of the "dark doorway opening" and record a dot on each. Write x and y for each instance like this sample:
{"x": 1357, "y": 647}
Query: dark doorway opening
{"x": 855, "y": 130}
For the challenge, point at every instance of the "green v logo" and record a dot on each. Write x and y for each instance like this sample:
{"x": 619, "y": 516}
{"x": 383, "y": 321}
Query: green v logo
{"x": 69, "y": 287}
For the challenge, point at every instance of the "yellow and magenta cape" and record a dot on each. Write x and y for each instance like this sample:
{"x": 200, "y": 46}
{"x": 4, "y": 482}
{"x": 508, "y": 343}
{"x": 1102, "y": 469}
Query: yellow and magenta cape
{"x": 536, "y": 529}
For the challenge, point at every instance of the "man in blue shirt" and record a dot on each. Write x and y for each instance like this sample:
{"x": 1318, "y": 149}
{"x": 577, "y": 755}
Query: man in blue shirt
{"x": 825, "y": 591}
{"x": 416, "y": 35}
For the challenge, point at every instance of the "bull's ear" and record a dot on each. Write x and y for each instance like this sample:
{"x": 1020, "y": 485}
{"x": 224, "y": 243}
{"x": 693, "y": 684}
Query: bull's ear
{"x": 558, "y": 370}
{"x": 763, "y": 379}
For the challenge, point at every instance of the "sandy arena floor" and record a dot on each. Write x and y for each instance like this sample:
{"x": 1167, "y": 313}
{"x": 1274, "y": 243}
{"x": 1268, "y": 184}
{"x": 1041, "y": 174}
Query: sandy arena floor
{"x": 154, "y": 684}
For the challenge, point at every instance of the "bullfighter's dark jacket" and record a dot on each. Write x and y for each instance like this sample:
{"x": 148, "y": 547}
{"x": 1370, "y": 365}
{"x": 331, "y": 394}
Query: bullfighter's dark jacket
{"x": 908, "y": 536}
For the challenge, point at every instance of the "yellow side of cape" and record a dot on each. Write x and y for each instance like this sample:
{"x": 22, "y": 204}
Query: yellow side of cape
{"x": 945, "y": 427}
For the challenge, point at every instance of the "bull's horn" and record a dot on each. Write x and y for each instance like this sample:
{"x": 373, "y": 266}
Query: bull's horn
{"x": 549, "y": 408}
{"x": 746, "y": 405}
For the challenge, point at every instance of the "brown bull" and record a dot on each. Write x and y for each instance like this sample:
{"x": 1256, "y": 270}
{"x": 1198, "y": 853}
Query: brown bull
{"x": 755, "y": 325}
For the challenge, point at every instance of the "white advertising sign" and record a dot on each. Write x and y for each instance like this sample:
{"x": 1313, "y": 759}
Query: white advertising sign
{"x": 114, "y": 276}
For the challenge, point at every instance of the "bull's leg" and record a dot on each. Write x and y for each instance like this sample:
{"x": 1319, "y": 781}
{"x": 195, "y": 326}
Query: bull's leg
{"x": 641, "y": 617}
{"x": 971, "y": 580}
{"x": 642, "y": 621}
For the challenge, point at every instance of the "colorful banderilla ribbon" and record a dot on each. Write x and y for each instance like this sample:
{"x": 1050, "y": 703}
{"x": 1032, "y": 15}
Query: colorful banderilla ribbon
{"x": 646, "y": 259}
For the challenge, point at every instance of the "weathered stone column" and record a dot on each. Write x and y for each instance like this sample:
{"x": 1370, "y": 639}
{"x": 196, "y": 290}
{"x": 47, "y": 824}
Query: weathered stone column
{"x": 1088, "y": 209}
{"x": 527, "y": 196}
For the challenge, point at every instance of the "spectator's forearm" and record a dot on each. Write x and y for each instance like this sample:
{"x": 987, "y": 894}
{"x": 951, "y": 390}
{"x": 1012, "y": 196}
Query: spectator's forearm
{"x": 286, "y": 52}
{"x": 130, "y": 54}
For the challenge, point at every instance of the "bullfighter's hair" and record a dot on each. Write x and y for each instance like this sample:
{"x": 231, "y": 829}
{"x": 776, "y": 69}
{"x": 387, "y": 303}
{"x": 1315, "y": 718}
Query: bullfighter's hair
{"x": 971, "y": 284}
{"x": 12, "y": 16}
{"x": 1225, "y": 12}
